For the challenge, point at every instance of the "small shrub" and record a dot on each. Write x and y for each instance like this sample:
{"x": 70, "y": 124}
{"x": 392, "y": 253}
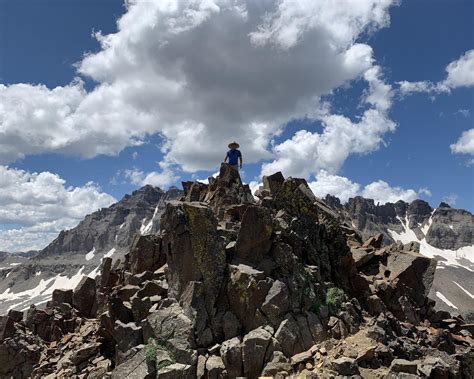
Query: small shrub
{"x": 334, "y": 299}
{"x": 151, "y": 349}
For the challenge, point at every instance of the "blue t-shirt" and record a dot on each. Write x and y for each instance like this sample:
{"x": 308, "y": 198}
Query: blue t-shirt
{"x": 233, "y": 156}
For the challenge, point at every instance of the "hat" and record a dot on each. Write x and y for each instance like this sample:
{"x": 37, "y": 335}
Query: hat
{"x": 233, "y": 144}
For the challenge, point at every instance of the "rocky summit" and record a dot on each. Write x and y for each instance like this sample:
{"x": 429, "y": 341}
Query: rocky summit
{"x": 232, "y": 286}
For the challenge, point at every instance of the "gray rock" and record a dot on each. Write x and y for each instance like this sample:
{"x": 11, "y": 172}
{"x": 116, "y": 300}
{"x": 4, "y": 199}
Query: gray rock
{"x": 177, "y": 370}
{"x": 246, "y": 291}
{"x": 231, "y": 353}
{"x": 276, "y": 302}
{"x": 174, "y": 330}
{"x": 127, "y": 335}
{"x": 288, "y": 337}
{"x": 84, "y": 352}
{"x": 254, "y": 347}
{"x": 215, "y": 367}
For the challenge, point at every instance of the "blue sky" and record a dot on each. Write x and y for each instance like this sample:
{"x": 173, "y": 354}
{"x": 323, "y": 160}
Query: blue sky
{"x": 44, "y": 43}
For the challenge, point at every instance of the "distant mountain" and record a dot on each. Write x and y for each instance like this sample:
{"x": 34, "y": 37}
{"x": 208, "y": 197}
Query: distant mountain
{"x": 31, "y": 278}
{"x": 443, "y": 233}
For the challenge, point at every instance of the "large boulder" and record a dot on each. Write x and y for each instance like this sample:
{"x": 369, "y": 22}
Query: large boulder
{"x": 412, "y": 274}
{"x": 246, "y": 290}
{"x": 84, "y": 297}
{"x": 231, "y": 353}
{"x": 171, "y": 328}
{"x": 193, "y": 248}
{"x": 254, "y": 239}
{"x": 145, "y": 254}
{"x": 254, "y": 349}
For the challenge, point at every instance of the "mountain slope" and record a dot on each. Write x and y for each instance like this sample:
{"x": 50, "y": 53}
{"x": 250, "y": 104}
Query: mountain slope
{"x": 79, "y": 251}
{"x": 443, "y": 233}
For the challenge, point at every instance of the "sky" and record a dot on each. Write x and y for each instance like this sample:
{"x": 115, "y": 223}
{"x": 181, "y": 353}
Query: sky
{"x": 360, "y": 97}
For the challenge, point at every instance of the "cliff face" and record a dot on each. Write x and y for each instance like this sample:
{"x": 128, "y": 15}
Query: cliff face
{"x": 444, "y": 227}
{"x": 232, "y": 286}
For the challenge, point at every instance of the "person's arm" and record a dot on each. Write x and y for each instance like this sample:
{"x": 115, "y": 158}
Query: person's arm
{"x": 240, "y": 159}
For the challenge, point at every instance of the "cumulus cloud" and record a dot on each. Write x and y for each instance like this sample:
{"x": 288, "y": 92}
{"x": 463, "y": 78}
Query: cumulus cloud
{"x": 40, "y": 205}
{"x": 199, "y": 73}
{"x": 162, "y": 179}
{"x": 465, "y": 143}
{"x": 344, "y": 189}
{"x": 306, "y": 153}
{"x": 460, "y": 73}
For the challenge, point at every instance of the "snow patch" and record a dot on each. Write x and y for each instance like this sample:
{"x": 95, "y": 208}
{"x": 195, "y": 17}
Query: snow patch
{"x": 145, "y": 229}
{"x": 110, "y": 253}
{"x": 448, "y": 257}
{"x": 90, "y": 254}
{"x": 14, "y": 264}
{"x": 43, "y": 290}
{"x": 465, "y": 290}
{"x": 445, "y": 300}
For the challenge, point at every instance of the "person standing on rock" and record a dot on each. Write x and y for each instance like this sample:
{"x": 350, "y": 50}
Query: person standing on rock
{"x": 234, "y": 156}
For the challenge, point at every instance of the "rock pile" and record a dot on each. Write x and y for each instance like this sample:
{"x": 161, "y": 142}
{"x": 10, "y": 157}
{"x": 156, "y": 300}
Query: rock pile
{"x": 237, "y": 287}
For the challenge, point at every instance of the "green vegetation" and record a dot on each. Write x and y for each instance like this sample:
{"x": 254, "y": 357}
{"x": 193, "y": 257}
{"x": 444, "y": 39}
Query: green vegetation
{"x": 334, "y": 299}
{"x": 151, "y": 353}
{"x": 151, "y": 350}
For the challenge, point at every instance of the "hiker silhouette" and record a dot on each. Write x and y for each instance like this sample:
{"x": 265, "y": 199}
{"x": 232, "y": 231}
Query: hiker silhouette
{"x": 234, "y": 156}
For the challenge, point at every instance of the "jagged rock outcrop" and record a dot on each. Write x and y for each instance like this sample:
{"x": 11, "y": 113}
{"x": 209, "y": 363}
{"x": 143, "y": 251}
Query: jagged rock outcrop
{"x": 300, "y": 293}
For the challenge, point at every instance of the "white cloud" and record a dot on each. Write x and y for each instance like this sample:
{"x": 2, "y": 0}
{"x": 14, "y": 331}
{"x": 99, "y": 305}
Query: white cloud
{"x": 306, "y": 153}
{"x": 465, "y": 143}
{"x": 381, "y": 192}
{"x": 344, "y": 189}
{"x": 161, "y": 179}
{"x": 200, "y": 73}
{"x": 460, "y": 73}
{"x": 334, "y": 185}
{"x": 40, "y": 205}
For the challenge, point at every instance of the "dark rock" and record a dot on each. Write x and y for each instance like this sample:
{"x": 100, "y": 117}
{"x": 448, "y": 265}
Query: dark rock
{"x": 231, "y": 353}
{"x": 254, "y": 239}
{"x": 194, "y": 250}
{"x": 120, "y": 310}
{"x": 402, "y": 365}
{"x": 273, "y": 183}
{"x": 61, "y": 296}
{"x": 84, "y": 352}
{"x": 84, "y": 297}
{"x": 7, "y": 327}
{"x": 254, "y": 347}
{"x": 145, "y": 254}
{"x": 277, "y": 364}
{"x": 345, "y": 366}
{"x": 374, "y": 242}
{"x": 231, "y": 325}
{"x": 126, "y": 292}
{"x": 15, "y": 315}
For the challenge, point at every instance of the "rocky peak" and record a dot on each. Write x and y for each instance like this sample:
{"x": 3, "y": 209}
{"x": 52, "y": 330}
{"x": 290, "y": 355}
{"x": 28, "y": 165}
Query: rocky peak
{"x": 233, "y": 287}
